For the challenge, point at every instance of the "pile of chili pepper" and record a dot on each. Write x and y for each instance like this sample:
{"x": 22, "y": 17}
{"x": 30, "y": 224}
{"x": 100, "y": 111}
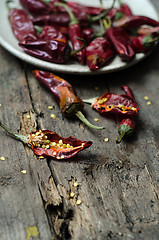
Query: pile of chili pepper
{"x": 69, "y": 32}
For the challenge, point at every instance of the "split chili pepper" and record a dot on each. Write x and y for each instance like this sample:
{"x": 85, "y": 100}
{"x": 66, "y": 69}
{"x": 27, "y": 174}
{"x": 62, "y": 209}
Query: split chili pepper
{"x": 49, "y": 144}
{"x": 70, "y": 104}
{"x": 133, "y": 21}
{"x": 126, "y": 129}
{"x": 75, "y": 34}
{"x": 118, "y": 104}
{"x": 121, "y": 42}
{"x": 22, "y": 25}
{"x": 144, "y": 43}
{"x": 99, "y": 53}
{"x": 36, "y": 7}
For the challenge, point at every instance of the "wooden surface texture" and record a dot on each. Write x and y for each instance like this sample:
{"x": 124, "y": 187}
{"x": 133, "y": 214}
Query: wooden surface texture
{"x": 118, "y": 183}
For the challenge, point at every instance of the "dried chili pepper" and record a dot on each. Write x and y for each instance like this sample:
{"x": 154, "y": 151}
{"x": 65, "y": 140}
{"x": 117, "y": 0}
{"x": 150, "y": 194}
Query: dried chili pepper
{"x": 50, "y": 33}
{"x": 125, "y": 9}
{"x": 75, "y": 34}
{"x": 121, "y": 42}
{"x": 22, "y": 25}
{"x": 36, "y": 7}
{"x": 99, "y": 53}
{"x": 144, "y": 43}
{"x": 126, "y": 129}
{"x": 88, "y": 35}
{"x": 148, "y": 30}
{"x": 118, "y": 104}
{"x": 133, "y": 21}
{"x": 70, "y": 104}
{"x": 49, "y": 144}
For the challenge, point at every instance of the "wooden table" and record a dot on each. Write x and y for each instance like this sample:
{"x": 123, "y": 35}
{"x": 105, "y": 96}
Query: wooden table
{"x": 118, "y": 183}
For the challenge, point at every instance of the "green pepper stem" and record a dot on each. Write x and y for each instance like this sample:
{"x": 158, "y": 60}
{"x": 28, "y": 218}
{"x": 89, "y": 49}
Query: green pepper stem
{"x": 20, "y": 137}
{"x": 80, "y": 115}
{"x": 102, "y": 15}
{"x": 70, "y": 13}
{"x": 120, "y": 138}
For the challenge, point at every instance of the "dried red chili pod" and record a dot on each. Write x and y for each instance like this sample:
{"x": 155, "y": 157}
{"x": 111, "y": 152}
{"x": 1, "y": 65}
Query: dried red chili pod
{"x": 21, "y": 25}
{"x": 125, "y": 9}
{"x": 126, "y": 129}
{"x": 133, "y": 21}
{"x": 36, "y": 7}
{"x": 144, "y": 43}
{"x": 88, "y": 35}
{"x": 118, "y": 104}
{"x": 148, "y": 30}
{"x": 70, "y": 104}
{"x": 49, "y": 144}
{"x": 75, "y": 33}
{"x": 99, "y": 53}
{"x": 121, "y": 42}
{"x": 50, "y": 33}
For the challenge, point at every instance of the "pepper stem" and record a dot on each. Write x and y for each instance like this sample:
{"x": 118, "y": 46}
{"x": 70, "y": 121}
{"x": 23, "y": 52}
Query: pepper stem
{"x": 20, "y": 137}
{"x": 70, "y": 13}
{"x": 90, "y": 100}
{"x": 81, "y": 48}
{"x": 118, "y": 140}
{"x": 102, "y": 15}
{"x": 80, "y": 115}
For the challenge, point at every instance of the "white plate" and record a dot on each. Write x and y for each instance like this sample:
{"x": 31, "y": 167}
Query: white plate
{"x": 9, "y": 42}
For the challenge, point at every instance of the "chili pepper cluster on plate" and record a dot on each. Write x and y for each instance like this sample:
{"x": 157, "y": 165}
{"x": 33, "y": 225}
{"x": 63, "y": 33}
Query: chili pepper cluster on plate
{"x": 60, "y": 31}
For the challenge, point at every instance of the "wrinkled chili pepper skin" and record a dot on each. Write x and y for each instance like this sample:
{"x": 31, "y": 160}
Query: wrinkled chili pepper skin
{"x": 124, "y": 8}
{"x": 55, "y": 51}
{"x": 142, "y": 44}
{"x": 50, "y": 145}
{"x": 126, "y": 129}
{"x": 51, "y": 33}
{"x": 88, "y": 35}
{"x": 118, "y": 104}
{"x": 99, "y": 53}
{"x": 22, "y": 25}
{"x": 121, "y": 42}
{"x": 36, "y": 7}
{"x": 74, "y": 33}
{"x": 63, "y": 91}
{"x": 133, "y": 21}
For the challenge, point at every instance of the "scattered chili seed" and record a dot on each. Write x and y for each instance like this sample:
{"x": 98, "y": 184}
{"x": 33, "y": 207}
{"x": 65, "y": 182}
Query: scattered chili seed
{"x": 50, "y": 107}
{"x": 96, "y": 119}
{"x": 78, "y": 202}
{"x": 96, "y": 88}
{"x": 0, "y": 104}
{"x": 41, "y": 157}
{"x": 106, "y": 139}
{"x": 2, "y": 158}
{"x": 76, "y": 184}
{"x": 53, "y": 116}
{"x": 24, "y": 171}
{"x": 148, "y": 103}
{"x": 146, "y": 98}
{"x": 72, "y": 194}
{"x": 28, "y": 116}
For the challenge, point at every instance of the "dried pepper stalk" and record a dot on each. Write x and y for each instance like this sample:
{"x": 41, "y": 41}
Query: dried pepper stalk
{"x": 22, "y": 25}
{"x": 70, "y": 104}
{"x": 75, "y": 34}
{"x": 121, "y": 42}
{"x": 144, "y": 43}
{"x": 49, "y": 144}
{"x": 99, "y": 53}
{"x": 118, "y": 104}
{"x": 133, "y": 21}
{"x": 126, "y": 129}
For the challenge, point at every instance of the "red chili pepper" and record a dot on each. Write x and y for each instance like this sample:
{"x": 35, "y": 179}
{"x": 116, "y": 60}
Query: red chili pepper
{"x": 50, "y": 145}
{"x": 56, "y": 50}
{"x": 88, "y": 35}
{"x": 126, "y": 129}
{"x": 125, "y": 9}
{"x": 50, "y": 33}
{"x": 36, "y": 7}
{"x": 70, "y": 104}
{"x": 99, "y": 53}
{"x": 75, "y": 34}
{"x": 144, "y": 43}
{"x": 22, "y": 25}
{"x": 121, "y": 42}
{"x": 130, "y": 22}
{"x": 118, "y": 104}
{"x": 148, "y": 30}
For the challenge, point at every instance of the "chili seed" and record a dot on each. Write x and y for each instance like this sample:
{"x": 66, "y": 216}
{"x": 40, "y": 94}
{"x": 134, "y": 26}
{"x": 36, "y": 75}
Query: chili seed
{"x": 106, "y": 139}
{"x": 43, "y": 146}
{"x": 60, "y": 142}
{"x": 148, "y": 103}
{"x": 96, "y": 119}
{"x": 47, "y": 146}
{"x": 53, "y": 116}
{"x": 50, "y": 107}
{"x": 54, "y": 153}
{"x": 76, "y": 184}
{"x": 41, "y": 157}
{"x": 58, "y": 157}
{"x": 62, "y": 156}
{"x": 146, "y": 98}
{"x": 72, "y": 194}
{"x": 2, "y": 158}
{"x": 28, "y": 116}
{"x": 96, "y": 88}
{"x": 53, "y": 143}
{"x": 0, "y": 105}
{"x": 78, "y": 202}
{"x": 24, "y": 171}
